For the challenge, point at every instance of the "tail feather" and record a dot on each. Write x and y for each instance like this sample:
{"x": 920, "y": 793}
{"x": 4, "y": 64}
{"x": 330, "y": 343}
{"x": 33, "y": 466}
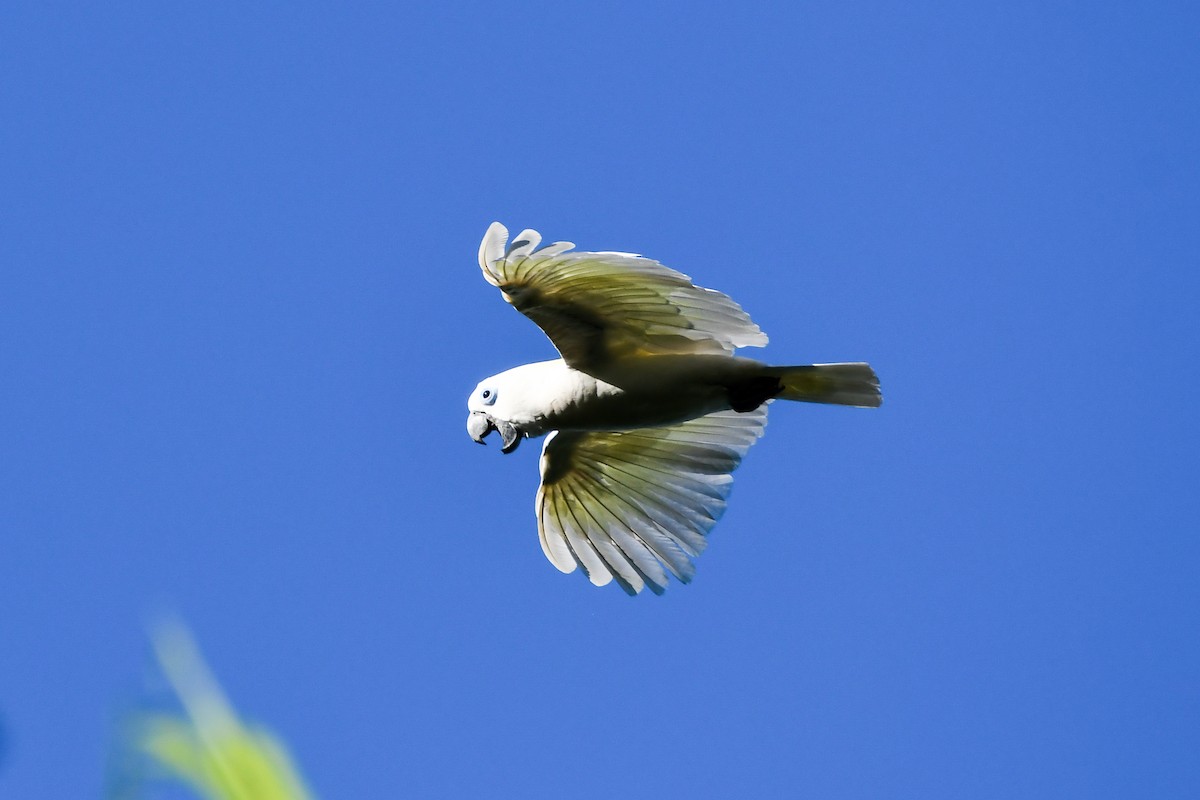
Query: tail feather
{"x": 851, "y": 384}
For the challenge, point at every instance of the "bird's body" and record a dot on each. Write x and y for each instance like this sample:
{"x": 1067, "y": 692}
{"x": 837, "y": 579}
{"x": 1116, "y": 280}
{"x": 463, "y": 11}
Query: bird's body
{"x": 648, "y": 410}
{"x": 631, "y": 393}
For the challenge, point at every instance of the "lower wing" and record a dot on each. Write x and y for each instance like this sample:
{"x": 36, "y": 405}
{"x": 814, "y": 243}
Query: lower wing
{"x": 630, "y": 506}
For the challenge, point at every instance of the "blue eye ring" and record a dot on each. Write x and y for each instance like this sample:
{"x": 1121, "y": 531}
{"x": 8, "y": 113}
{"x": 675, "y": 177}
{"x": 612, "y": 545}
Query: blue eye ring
{"x": 488, "y": 395}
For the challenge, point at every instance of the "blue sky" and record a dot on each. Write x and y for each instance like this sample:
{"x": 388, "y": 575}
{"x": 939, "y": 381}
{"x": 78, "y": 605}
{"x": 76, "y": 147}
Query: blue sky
{"x": 242, "y": 314}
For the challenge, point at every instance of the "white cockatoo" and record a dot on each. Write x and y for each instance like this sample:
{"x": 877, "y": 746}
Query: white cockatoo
{"x": 648, "y": 411}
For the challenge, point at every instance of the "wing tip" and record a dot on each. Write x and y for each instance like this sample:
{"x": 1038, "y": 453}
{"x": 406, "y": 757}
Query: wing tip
{"x": 754, "y": 338}
{"x": 492, "y": 249}
{"x": 526, "y": 242}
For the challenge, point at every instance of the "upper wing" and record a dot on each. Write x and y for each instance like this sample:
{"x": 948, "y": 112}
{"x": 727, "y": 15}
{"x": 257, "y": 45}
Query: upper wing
{"x": 627, "y": 504}
{"x": 596, "y": 306}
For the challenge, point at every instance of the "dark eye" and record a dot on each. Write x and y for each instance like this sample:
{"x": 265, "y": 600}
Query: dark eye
{"x": 488, "y": 396}
{"x": 487, "y": 393}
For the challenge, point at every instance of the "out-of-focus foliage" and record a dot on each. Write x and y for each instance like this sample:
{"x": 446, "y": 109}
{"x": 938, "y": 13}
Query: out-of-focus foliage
{"x": 207, "y": 747}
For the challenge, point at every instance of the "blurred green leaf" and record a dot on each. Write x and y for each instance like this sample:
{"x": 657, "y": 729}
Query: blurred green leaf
{"x": 207, "y": 747}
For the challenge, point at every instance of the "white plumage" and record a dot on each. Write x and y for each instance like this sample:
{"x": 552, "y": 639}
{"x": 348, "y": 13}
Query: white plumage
{"x": 648, "y": 410}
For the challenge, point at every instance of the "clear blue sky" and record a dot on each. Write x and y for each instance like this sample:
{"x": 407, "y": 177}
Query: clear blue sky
{"x": 240, "y": 314}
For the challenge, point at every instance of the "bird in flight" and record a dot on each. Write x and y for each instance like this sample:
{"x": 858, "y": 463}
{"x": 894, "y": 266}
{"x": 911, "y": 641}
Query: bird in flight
{"x": 648, "y": 411}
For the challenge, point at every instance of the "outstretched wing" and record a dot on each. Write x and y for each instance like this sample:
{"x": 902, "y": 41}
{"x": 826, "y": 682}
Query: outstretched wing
{"x": 598, "y": 306}
{"x": 630, "y": 506}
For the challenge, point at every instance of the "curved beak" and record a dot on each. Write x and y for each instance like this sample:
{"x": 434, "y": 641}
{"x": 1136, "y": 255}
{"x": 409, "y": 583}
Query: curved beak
{"x": 479, "y": 425}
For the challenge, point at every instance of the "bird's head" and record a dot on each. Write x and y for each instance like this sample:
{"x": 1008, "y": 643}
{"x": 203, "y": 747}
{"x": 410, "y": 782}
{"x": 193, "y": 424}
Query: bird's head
{"x": 488, "y": 408}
